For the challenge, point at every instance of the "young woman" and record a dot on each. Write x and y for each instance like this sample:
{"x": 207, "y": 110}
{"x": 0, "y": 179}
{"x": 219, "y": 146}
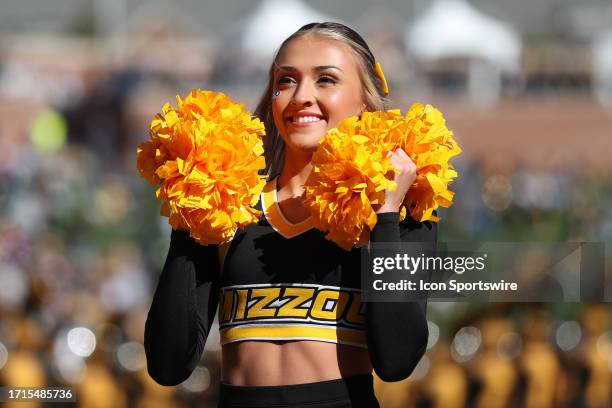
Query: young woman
{"x": 294, "y": 331}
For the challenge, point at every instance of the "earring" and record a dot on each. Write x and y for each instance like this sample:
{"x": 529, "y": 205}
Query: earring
{"x": 276, "y": 93}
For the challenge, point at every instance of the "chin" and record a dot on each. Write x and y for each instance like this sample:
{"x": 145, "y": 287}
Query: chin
{"x": 307, "y": 144}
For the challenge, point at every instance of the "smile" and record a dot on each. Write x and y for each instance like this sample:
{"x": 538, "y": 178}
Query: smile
{"x": 306, "y": 119}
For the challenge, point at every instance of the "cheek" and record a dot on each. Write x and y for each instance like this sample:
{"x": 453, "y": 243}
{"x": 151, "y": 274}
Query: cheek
{"x": 342, "y": 105}
{"x": 277, "y": 114}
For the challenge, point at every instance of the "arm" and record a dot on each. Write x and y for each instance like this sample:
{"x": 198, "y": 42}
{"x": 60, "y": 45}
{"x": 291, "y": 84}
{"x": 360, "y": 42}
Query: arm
{"x": 397, "y": 331}
{"x": 183, "y": 309}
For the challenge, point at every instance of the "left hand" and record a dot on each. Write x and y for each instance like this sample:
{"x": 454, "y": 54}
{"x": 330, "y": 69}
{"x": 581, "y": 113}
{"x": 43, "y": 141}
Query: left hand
{"x": 403, "y": 179}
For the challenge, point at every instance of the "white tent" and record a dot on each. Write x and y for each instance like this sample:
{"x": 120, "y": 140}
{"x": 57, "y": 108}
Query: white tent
{"x": 272, "y": 22}
{"x": 602, "y": 67}
{"x": 454, "y": 28}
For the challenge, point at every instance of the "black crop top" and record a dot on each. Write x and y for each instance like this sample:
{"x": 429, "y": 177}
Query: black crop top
{"x": 280, "y": 281}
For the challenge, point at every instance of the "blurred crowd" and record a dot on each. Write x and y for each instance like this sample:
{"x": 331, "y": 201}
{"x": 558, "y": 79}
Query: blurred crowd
{"x": 511, "y": 357}
{"x": 82, "y": 242}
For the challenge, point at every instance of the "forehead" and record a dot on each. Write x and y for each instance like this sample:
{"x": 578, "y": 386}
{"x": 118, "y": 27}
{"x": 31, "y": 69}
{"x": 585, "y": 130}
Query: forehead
{"x": 312, "y": 51}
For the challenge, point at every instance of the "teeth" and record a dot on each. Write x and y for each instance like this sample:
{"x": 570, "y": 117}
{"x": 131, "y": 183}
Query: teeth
{"x": 305, "y": 119}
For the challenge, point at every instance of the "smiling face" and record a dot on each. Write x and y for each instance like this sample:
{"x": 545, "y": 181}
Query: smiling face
{"x": 319, "y": 83}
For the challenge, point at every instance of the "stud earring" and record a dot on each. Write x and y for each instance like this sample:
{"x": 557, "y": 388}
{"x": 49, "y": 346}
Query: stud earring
{"x": 276, "y": 93}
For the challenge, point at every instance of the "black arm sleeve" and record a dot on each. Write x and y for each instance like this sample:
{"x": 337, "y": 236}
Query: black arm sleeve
{"x": 397, "y": 331}
{"x": 183, "y": 309}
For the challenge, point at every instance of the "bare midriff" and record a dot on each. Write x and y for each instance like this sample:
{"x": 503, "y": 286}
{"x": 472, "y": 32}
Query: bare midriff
{"x": 257, "y": 363}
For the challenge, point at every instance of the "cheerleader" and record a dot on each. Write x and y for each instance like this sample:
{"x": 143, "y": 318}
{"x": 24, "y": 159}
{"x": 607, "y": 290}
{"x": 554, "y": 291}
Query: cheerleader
{"x": 294, "y": 331}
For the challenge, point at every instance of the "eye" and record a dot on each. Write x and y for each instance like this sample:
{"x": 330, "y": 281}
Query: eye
{"x": 327, "y": 79}
{"x": 285, "y": 80}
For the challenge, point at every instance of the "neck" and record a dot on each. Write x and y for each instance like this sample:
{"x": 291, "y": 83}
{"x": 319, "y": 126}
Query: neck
{"x": 296, "y": 170}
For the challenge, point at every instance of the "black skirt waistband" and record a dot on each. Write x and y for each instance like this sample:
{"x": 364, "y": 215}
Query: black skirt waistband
{"x": 355, "y": 392}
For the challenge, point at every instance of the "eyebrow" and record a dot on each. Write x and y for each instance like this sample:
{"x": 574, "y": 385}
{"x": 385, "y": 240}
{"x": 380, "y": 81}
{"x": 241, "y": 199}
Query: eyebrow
{"x": 317, "y": 68}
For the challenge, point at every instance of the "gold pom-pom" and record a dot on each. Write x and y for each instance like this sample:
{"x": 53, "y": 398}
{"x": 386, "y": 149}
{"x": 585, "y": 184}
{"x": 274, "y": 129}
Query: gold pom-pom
{"x": 348, "y": 177}
{"x": 205, "y": 155}
{"x": 430, "y": 145}
{"x": 351, "y": 171}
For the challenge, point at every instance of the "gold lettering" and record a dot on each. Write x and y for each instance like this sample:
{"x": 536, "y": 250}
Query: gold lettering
{"x": 300, "y": 296}
{"x": 242, "y": 303}
{"x": 267, "y": 295}
{"x": 226, "y": 306}
{"x": 318, "y": 310}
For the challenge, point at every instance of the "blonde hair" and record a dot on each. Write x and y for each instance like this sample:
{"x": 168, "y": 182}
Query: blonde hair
{"x": 373, "y": 96}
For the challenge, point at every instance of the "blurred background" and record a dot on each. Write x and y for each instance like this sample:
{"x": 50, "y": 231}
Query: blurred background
{"x": 525, "y": 85}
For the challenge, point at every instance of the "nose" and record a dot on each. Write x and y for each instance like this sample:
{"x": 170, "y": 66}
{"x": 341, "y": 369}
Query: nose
{"x": 304, "y": 94}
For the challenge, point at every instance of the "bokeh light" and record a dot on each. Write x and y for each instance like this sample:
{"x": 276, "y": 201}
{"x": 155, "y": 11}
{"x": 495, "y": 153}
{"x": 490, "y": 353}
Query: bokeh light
{"x": 604, "y": 345}
{"x": 421, "y": 370}
{"x": 466, "y": 343}
{"x": 49, "y": 131}
{"x": 568, "y": 335}
{"x": 70, "y": 367}
{"x": 198, "y": 381}
{"x": 81, "y": 341}
{"x": 434, "y": 334}
{"x": 131, "y": 356}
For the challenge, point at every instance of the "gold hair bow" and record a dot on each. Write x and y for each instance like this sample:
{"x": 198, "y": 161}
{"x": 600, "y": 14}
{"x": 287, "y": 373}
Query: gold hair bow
{"x": 381, "y": 75}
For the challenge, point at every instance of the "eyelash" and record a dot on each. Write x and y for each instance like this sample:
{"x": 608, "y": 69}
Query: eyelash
{"x": 327, "y": 77}
{"x": 333, "y": 80}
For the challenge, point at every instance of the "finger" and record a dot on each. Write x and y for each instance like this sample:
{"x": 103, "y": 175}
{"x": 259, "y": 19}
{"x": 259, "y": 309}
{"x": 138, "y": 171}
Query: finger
{"x": 400, "y": 157}
{"x": 396, "y": 162}
{"x": 402, "y": 153}
{"x": 406, "y": 159}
